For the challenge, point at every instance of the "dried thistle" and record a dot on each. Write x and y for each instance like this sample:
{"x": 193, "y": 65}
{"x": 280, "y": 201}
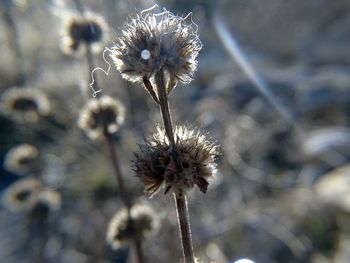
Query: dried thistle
{"x": 143, "y": 222}
{"x": 25, "y": 104}
{"x": 152, "y": 42}
{"x": 47, "y": 200}
{"x": 30, "y": 195}
{"x": 22, "y": 159}
{"x": 100, "y": 115}
{"x": 191, "y": 162}
{"x": 21, "y": 195}
{"x": 159, "y": 50}
{"x": 89, "y": 28}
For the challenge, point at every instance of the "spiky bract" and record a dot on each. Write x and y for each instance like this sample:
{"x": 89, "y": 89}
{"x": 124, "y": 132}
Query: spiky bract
{"x": 191, "y": 161}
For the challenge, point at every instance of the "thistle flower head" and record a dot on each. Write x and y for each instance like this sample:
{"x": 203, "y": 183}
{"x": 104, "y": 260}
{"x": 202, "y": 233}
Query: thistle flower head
{"x": 22, "y": 159}
{"x": 100, "y": 115}
{"x": 21, "y": 195}
{"x": 151, "y": 42}
{"x": 121, "y": 229}
{"x": 191, "y": 162}
{"x": 25, "y": 104}
{"x": 88, "y": 28}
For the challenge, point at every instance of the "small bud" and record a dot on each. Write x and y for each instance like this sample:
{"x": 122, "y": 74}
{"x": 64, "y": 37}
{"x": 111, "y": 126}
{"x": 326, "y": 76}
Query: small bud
{"x": 192, "y": 162}
{"x": 25, "y": 104}
{"x": 121, "y": 230}
{"x": 22, "y": 159}
{"x": 100, "y": 115}
{"x": 151, "y": 42}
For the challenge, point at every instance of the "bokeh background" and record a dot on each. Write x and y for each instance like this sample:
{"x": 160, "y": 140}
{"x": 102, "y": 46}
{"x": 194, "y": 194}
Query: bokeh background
{"x": 282, "y": 192}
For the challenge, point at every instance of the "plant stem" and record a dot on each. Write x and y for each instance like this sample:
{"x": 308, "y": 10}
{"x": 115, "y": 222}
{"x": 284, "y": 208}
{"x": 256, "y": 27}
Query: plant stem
{"x": 13, "y": 38}
{"x": 79, "y": 6}
{"x": 180, "y": 198}
{"x": 109, "y": 141}
{"x": 115, "y": 163}
{"x": 164, "y": 106}
{"x": 184, "y": 225}
{"x": 138, "y": 250}
{"x": 117, "y": 171}
{"x": 91, "y": 64}
{"x": 123, "y": 193}
{"x": 38, "y": 225}
{"x": 90, "y": 60}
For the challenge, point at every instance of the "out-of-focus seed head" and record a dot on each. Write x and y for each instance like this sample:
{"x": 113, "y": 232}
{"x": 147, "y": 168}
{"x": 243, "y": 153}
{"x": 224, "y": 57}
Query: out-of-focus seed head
{"x": 121, "y": 230}
{"x": 22, "y": 159}
{"x": 191, "y": 163}
{"x": 25, "y": 104}
{"x": 47, "y": 200}
{"x": 89, "y": 28}
{"x": 104, "y": 114}
{"x": 21, "y": 195}
{"x": 151, "y": 42}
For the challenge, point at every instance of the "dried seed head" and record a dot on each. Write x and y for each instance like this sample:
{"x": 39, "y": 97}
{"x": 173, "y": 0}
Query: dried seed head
{"x": 151, "y": 42}
{"x": 21, "y": 195}
{"x": 121, "y": 230}
{"x": 192, "y": 161}
{"x": 22, "y": 159}
{"x": 99, "y": 115}
{"x": 47, "y": 200}
{"x": 89, "y": 28}
{"x": 25, "y": 104}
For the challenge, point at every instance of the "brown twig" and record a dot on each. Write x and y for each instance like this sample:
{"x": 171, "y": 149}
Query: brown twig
{"x": 184, "y": 225}
{"x": 164, "y": 106}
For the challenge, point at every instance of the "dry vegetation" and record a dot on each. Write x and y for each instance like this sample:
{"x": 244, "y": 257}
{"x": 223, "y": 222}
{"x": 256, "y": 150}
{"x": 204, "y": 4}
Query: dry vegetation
{"x": 282, "y": 188}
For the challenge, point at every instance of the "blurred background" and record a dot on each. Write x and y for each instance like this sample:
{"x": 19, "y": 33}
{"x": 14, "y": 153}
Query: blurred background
{"x": 272, "y": 88}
